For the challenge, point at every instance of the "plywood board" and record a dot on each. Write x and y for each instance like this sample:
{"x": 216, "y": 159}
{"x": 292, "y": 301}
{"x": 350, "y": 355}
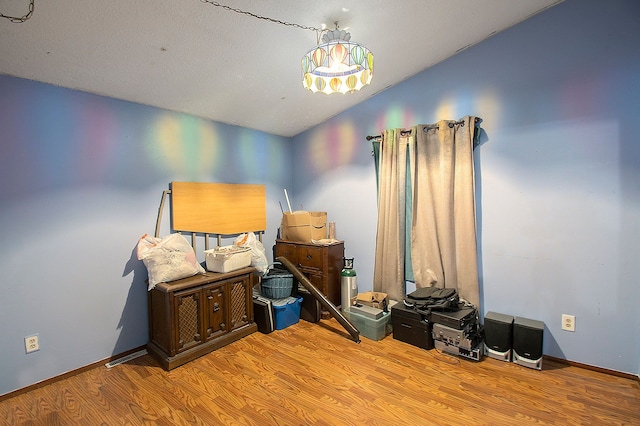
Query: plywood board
{"x": 218, "y": 208}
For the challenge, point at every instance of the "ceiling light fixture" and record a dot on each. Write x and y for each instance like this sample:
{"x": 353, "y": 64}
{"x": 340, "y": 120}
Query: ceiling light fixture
{"x": 338, "y": 65}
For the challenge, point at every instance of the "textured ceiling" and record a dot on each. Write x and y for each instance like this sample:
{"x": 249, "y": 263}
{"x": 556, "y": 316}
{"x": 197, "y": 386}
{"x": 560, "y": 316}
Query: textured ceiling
{"x": 190, "y": 56}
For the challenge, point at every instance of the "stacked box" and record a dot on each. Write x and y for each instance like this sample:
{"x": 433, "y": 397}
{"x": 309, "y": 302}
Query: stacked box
{"x": 303, "y": 226}
{"x": 374, "y": 329}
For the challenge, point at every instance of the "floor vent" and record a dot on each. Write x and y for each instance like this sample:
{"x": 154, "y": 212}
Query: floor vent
{"x": 125, "y": 358}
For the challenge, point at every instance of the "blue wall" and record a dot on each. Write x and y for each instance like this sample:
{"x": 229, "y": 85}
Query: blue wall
{"x": 81, "y": 179}
{"x": 558, "y": 172}
{"x": 558, "y": 179}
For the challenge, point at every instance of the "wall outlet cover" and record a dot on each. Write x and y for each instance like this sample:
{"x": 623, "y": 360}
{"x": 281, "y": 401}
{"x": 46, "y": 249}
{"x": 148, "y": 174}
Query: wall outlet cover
{"x": 31, "y": 343}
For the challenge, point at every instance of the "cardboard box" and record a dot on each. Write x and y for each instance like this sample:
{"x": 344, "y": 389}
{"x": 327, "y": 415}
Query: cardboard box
{"x": 375, "y": 299}
{"x": 303, "y": 226}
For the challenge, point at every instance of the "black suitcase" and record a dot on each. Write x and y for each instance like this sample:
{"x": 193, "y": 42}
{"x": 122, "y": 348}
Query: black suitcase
{"x": 310, "y": 310}
{"x": 410, "y": 326}
{"x": 263, "y": 314}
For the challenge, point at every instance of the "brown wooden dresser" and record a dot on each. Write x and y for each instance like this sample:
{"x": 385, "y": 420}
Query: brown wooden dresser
{"x": 322, "y": 264}
{"x": 194, "y": 316}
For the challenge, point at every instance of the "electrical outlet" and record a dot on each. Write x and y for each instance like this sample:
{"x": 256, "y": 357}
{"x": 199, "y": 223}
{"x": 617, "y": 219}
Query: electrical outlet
{"x": 568, "y": 322}
{"x": 31, "y": 343}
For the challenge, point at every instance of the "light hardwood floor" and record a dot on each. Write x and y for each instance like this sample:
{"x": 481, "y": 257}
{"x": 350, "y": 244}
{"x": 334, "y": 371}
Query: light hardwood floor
{"x": 314, "y": 374}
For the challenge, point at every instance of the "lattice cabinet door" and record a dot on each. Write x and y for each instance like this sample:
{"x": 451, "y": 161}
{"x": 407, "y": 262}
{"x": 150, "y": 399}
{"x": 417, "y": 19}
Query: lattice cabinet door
{"x": 188, "y": 314}
{"x": 216, "y": 322}
{"x": 240, "y": 303}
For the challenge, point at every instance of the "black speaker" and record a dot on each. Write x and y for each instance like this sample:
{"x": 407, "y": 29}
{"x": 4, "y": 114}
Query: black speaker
{"x": 498, "y": 332}
{"x": 527, "y": 342}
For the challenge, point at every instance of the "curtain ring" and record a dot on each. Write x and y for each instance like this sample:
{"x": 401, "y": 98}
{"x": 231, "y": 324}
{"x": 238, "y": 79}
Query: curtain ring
{"x": 461, "y": 123}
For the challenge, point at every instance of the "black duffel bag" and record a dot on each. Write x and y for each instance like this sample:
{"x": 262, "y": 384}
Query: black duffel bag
{"x": 433, "y": 298}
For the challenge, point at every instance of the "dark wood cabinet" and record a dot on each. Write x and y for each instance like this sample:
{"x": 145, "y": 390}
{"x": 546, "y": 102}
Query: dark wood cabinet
{"x": 320, "y": 263}
{"x": 194, "y": 316}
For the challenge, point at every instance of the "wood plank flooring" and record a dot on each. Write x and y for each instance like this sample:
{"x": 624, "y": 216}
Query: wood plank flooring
{"x": 314, "y": 374}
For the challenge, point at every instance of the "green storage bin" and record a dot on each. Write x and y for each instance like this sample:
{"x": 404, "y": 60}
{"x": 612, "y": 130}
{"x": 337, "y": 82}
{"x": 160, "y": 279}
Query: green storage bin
{"x": 374, "y": 329}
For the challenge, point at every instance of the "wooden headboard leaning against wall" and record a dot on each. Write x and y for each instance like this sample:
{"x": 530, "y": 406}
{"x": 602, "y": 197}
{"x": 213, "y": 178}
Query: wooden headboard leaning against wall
{"x": 216, "y": 208}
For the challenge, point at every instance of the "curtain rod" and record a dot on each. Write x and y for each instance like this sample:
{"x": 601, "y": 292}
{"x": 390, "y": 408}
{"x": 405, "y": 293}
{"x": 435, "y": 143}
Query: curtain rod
{"x": 425, "y": 128}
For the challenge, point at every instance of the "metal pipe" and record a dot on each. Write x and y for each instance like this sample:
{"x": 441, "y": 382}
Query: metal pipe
{"x": 425, "y": 128}
{"x": 160, "y": 210}
{"x": 320, "y": 298}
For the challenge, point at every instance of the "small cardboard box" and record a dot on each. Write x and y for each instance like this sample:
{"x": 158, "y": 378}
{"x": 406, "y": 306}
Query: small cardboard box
{"x": 303, "y": 226}
{"x": 375, "y": 299}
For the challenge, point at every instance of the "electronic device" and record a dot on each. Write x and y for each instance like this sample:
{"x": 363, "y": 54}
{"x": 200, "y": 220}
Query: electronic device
{"x": 410, "y": 326}
{"x": 458, "y": 319}
{"x": 467, "y": 338}
{"x": 527, "y": 342}
{"x": 366, "y": 311}
{"x": 474, "y": 354}
{"x": 498, "y": 336}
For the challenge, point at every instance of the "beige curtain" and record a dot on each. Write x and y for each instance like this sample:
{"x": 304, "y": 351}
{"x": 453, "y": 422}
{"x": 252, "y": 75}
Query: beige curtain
{"x": 443, "y": 235}
{"x": 388, "y": 273}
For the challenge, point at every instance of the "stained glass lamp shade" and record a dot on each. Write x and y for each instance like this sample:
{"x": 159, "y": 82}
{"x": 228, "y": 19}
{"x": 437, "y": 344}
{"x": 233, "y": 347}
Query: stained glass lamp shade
{"x": 338, "y": 65}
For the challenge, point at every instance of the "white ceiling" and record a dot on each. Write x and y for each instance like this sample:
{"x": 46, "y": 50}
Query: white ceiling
{"x": 190, "y": 56}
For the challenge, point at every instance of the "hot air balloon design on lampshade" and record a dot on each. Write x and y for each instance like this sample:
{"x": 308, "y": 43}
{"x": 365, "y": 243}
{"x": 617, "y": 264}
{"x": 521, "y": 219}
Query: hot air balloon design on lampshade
{"x": 338, "y": 65}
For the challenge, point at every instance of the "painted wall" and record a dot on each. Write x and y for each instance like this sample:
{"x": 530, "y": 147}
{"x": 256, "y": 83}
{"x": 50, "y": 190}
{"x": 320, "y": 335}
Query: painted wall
{"x": 558, "y": 172}
{"x": 81, "y": 178}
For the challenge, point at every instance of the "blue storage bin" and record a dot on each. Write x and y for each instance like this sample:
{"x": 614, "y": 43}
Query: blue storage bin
{"x": 287, "y": 314}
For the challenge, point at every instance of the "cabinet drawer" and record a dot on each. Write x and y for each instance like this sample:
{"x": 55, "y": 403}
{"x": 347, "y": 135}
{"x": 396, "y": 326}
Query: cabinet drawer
{"x": 289, "y": 251}
{"x": 310, "y": 257}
